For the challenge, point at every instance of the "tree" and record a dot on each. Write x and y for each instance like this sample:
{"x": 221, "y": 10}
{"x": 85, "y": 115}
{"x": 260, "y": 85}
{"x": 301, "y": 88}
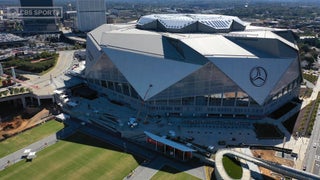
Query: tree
{"x": 22, "y": 90}
{"x": 305, "y": 48}
{"x": 5, "y": 92}
{"x": 29, "y": 90}
{"x": 16, "y": 90}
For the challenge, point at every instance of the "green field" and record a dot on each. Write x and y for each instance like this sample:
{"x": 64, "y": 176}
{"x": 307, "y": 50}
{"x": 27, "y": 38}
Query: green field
{"x": 30, "y": 136}
{"x": 169, "y": 173}
{"x": 232, "y": 167}
{"x": 77, "y": 157}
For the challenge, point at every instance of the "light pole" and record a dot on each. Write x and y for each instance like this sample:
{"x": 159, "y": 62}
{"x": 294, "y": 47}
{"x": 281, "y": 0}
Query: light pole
{"x": 142, "y": 101}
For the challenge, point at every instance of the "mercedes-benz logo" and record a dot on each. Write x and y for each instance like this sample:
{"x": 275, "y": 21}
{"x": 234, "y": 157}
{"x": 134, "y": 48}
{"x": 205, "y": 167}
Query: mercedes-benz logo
{"x": 258, "y": 76}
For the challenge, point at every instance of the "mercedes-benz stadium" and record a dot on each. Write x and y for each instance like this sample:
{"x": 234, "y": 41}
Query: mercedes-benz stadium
{"x": 194, "y": 65}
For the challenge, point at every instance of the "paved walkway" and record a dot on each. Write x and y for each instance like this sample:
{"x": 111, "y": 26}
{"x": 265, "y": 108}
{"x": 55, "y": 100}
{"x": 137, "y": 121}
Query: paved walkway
{"x": 254, "y": 170}
{"x": 18, "y": 155}
{"x": 37, "y": 146}
{"x": 147, "y": 171}
{"x": 314, "y": 94}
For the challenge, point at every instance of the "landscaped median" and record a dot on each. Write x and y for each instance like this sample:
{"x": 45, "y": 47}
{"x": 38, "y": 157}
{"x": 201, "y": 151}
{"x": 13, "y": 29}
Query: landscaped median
{"x": 37, "y": 64}
{"x": 232, "y": 167}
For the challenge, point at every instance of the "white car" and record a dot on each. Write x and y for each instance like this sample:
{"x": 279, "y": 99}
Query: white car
{"x": 132, "y": 122}
{"x": 314, "y": 145}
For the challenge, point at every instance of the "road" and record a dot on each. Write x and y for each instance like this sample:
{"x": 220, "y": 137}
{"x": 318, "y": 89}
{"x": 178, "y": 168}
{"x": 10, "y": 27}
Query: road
{"x": 312, "y": 157}
{"x": 42, "y": 84}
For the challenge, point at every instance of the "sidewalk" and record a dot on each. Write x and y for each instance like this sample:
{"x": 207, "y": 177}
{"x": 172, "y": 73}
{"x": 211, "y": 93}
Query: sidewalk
{"x": 37, "y": 146}
{"x": 147, "y": 171}
{"x": 17, "y": 156}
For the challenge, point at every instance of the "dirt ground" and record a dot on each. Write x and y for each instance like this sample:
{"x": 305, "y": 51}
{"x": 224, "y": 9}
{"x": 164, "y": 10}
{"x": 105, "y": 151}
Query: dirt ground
{"x": 270, "y": 156}
{"x": 21, "y": 121}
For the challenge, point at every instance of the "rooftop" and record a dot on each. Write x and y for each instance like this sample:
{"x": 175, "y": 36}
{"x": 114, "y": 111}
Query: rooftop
{"x": 207, "y": 23}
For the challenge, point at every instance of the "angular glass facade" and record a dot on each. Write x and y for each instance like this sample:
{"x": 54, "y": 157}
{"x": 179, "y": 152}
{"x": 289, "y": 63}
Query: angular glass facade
{"x": 206, "y": 92}
{"x": 205, "y": 74}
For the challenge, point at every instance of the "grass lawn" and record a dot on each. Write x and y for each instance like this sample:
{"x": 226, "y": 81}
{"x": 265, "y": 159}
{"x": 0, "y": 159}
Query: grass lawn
{"x": 232, "y": 167}
{"x": 78, "y": 157}
{"x": 30, "y": 136}
{"x": 169, "y": 173}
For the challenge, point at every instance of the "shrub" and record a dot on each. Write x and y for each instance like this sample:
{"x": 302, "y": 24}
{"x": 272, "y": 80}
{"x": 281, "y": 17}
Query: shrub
{"x": 5, "y": 92}
{"x": 16, "y": 90}
{"x": 22, "y": 90}
{"x": 37, "y": 67}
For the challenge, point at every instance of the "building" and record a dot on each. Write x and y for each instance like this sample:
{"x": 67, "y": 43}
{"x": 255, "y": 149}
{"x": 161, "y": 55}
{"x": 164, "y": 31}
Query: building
{"x": 38, "y": 25}
{"x": 169, "y": 147}
{"x": 90, "y": 14}
{"x": 194, "y": 65}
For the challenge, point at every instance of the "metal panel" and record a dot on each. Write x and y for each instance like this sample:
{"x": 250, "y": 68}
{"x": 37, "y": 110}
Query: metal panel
{"x": 290, "y": 75}
{"x": 150, "y": 43}
{"x": 256, "y": 77}
{"x": 216, "y": 46}
{"x": 142, "y": 71}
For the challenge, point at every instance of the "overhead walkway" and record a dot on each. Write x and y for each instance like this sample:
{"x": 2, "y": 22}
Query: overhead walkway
{"x": 220, "y": 172}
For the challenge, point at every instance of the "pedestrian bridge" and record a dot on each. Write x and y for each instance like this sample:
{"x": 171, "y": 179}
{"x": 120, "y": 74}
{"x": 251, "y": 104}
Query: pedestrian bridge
{"x": 220, "y": 172}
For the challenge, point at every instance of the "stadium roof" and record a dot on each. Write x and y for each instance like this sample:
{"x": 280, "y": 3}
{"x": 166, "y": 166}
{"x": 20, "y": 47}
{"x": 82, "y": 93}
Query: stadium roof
{"x": 208, "y": 23}
{"x": 181, "y": 54}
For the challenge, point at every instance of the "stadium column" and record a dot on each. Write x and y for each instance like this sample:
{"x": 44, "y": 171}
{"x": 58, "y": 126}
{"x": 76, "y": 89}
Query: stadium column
{"x": 142, "y": 101}
{"x": 23, "y": 100}
{"x": 39, "y": 102}
{"x": 183, "y": 155}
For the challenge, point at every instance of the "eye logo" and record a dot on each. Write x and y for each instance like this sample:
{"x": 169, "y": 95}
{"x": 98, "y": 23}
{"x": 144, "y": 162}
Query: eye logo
{"x": 258, "y": 76}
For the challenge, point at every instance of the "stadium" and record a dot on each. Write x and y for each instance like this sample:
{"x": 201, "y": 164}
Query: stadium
{"x": 194, "y": 65}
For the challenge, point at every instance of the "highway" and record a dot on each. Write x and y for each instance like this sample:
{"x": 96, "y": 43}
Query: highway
{"x": 278, "y": 168}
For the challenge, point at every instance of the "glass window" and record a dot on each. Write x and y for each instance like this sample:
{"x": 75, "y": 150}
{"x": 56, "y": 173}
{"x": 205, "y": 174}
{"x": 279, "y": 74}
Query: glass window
{"x": 125, "y": 89}
{"x": 110, "y": 85}
{"x": 104, "y": 83}
{"x": 242, "y": 99}
{"x": 215, "y": 99}
{"x": 118, "y": 87}
{"x": 188, "y": 101}
{"x": 201, "y": 100}
{"x": 175, "y": 102}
